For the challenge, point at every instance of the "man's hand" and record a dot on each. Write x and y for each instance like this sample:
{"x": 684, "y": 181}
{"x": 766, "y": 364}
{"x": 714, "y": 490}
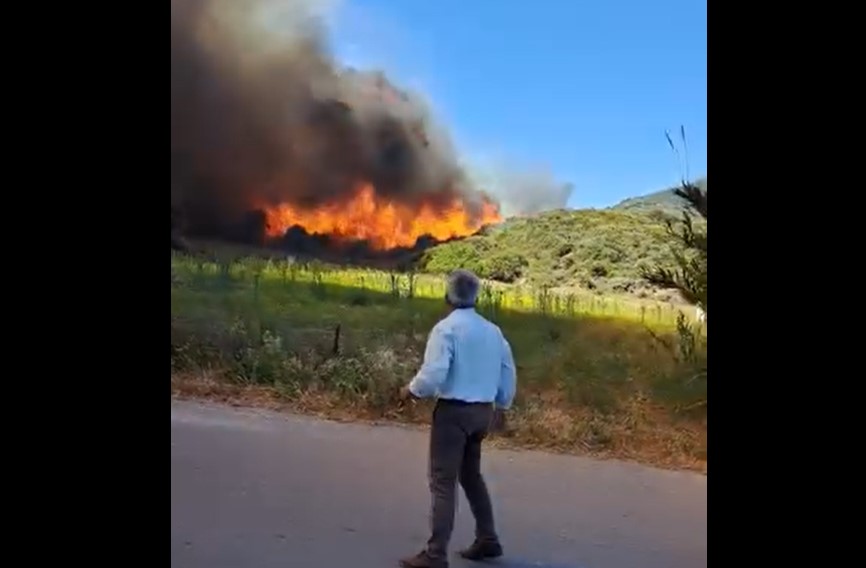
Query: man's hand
{"x": 405, "y": 393}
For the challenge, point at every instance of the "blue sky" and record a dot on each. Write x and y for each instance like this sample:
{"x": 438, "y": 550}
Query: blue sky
{"x": 583, "y": 89}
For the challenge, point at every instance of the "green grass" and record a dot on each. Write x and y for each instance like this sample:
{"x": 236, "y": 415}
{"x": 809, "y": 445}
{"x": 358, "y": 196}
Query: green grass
{"x": 568, "y": 302}
{"x": 592, "y": 376}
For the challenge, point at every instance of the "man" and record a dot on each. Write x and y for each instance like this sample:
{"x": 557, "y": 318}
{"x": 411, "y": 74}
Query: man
{"x": 469, "y": 367}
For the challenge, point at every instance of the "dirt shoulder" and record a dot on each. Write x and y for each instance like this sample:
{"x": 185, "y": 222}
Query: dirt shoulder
{"x": 521, "y": 432}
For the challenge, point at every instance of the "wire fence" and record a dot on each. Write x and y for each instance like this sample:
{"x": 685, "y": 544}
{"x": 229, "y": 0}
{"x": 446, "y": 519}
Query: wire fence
{"x": 495, "y": 297}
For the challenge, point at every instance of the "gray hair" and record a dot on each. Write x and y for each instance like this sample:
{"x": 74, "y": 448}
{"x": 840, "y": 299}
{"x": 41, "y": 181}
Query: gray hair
{"x": 462, "y": 289}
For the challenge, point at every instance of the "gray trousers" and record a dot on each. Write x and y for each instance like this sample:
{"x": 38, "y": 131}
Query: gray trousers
{"x": 455, "y": 454}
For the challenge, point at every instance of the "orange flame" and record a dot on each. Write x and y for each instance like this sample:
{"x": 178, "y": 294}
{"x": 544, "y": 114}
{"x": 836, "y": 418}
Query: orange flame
{"x": 383, "y": 223}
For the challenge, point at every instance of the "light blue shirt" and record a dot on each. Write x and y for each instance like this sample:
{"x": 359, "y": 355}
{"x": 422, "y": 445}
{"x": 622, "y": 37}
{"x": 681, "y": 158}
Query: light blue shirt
{"x": 467, "y": 358}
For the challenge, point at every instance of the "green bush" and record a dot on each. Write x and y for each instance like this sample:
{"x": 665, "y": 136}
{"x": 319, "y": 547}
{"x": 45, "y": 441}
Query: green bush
{"x": 504, "y": 267}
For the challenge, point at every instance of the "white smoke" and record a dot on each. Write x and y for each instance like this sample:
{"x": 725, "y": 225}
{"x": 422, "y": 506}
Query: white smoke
{"x": 522, "y": 191}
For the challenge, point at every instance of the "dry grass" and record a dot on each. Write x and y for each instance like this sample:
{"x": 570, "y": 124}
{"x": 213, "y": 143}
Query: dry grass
{"x": 647, "y": 436}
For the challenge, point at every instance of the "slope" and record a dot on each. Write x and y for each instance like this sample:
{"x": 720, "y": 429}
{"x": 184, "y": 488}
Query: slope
{"x": 594, "y": 249}
{"x": 586, "y": 248}
{"x": 665, "y": 200}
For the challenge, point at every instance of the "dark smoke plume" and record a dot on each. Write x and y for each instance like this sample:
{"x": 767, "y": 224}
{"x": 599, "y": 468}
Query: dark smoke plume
{"x": 261, "y": 116}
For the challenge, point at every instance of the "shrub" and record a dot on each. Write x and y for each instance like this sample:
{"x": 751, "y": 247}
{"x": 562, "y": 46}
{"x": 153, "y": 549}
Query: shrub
{"x": 503, "y": 267}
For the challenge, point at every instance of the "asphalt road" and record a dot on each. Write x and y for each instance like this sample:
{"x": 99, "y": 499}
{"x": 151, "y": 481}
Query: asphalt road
{"x": 253, "y": 489}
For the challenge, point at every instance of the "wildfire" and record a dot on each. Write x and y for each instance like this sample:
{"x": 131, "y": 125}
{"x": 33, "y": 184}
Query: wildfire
{"x": 384, "y": 224}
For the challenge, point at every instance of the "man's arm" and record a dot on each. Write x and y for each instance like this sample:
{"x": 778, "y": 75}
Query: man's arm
{"x": 437, "y": 361}
{"x": 507, "y": 379}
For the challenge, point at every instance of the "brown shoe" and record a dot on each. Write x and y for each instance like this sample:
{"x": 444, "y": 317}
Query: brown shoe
{"x": 482, "y": 550}
{"x": 423, "y": 560}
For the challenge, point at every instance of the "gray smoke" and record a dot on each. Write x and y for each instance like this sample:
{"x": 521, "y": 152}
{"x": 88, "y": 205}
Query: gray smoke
{"x": 523, "y": 191}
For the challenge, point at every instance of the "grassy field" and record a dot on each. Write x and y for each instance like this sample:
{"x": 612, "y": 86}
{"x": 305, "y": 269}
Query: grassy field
{"x": 600, "y": 375}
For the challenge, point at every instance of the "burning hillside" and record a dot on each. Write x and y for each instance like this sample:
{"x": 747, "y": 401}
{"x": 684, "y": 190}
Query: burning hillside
{"x": 269, "y": 134}
{"x": 383, "y": 224}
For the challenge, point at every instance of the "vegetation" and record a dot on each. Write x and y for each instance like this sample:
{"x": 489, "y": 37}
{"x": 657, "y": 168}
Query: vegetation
{"x": 605, "y": 251}
{"x": 595, "y": 374}
{"x": 689, "y": 277}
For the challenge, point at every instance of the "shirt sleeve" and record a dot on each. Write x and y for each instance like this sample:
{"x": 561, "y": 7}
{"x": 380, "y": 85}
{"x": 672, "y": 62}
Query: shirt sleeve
{"x": 437, "y": 361}
{"x": 508, "y": 378}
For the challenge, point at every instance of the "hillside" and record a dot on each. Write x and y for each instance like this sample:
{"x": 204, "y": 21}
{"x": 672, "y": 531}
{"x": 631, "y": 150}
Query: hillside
{"x": 587, "y": 248}
{"x": 594, "y": 249}
{"x": 665, "y": 200}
